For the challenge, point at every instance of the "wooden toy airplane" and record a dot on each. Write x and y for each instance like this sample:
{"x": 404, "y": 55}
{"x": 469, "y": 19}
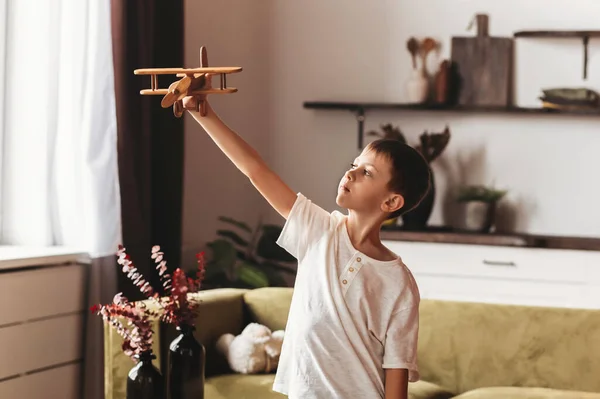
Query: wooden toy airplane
{"x": 194, "y": 82}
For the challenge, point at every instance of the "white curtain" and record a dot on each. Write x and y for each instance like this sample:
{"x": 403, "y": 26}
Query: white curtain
{"x": 58, "y": 158}
{"x": 60, "y": 181}
{"x": 3, "y": 31}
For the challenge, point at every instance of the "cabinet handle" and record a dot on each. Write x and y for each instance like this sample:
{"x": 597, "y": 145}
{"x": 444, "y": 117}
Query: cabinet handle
{"x": 499, "y": 263}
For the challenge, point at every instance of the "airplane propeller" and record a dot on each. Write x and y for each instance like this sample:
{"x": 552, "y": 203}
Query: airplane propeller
{"x": 177, "y": 91}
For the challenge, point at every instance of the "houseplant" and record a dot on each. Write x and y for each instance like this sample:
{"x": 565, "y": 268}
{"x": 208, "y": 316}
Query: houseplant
{"x": 431, "y": 146}
{"x": 185, "y": 377}
{"x": 243, "y": 257}
{"x": 479, "y": 205}
{"x": 187, "y": 356}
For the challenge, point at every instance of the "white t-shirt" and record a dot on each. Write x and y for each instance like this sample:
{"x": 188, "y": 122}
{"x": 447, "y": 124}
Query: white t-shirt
{"x": 351, "y": 316}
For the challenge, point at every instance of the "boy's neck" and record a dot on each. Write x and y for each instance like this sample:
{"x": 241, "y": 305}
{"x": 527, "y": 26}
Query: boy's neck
{"x": 364, "y": 235}
{"x": 364, "y": 230}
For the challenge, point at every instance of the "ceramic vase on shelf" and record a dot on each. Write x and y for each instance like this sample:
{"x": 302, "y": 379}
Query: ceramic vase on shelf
{"x": 144, "y": 380}
{"x": 187, "y": 358}
{"x": 477, "y": 216}
{"x": 416, "y": 219}
{"x": 417, "y": 86}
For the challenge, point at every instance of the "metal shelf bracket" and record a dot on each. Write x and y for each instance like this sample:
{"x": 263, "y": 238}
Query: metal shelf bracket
{"x": 360, "y": 118}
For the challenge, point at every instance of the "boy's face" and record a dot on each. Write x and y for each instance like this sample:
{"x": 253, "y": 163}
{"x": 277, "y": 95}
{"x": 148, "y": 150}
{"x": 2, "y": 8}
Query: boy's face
{"x": 364, "y": 187}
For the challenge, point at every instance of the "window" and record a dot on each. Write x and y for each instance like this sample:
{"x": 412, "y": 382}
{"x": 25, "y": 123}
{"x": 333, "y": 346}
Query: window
{"x": 58, "y": 155}
{"x": 3, "y": 29}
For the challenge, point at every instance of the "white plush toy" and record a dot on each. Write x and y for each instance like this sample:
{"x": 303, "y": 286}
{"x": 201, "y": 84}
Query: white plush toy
{"x": 255, "y": 350}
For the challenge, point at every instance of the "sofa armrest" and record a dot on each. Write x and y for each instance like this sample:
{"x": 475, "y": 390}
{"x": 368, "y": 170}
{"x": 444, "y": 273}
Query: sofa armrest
{"x": 221, "y": 311}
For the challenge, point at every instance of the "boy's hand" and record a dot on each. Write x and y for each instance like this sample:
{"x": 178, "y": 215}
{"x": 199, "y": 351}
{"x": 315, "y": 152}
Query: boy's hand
{"x": 198, "y": 102}
{"x": 192, "y": 103}
{"x": 245, "y": 158}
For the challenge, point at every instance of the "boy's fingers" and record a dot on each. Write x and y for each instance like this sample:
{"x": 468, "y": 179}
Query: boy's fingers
{"x": 189, "y": 101}
{"x": 195, "y": 103}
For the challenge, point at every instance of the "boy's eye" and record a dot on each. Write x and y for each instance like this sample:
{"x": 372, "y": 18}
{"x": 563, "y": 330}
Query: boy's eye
{"x": 365, "y": 171}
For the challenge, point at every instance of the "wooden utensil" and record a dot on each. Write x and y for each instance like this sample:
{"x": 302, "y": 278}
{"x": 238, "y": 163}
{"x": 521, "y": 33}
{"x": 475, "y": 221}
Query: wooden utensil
{"x": 484, "y": 67}
{"x": 413, "y": 48}
{"x": 427, "y": 46}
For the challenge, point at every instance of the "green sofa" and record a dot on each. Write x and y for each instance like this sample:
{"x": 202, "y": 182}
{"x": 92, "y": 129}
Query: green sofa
{"x": 466, "y": 350}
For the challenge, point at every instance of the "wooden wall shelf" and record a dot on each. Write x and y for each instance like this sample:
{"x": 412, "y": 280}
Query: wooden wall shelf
{"x": 360, "y": 108}
{"x": 584, "y": 35}
{"x": 437, "y": 234}
{"x": 558, "y": 33}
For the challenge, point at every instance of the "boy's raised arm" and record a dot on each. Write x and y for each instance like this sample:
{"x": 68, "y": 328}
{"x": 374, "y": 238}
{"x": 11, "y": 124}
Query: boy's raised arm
{"x": 396, "y": 384}
{"x": 248, "y": 161}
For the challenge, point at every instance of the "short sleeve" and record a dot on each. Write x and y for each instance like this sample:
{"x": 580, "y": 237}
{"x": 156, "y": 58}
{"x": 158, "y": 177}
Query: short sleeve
{"x": 305, "y": 225}
{"x": 401, "y": 339}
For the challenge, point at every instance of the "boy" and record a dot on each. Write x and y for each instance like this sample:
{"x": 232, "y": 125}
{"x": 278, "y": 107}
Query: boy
{"x": 353, "y": 322}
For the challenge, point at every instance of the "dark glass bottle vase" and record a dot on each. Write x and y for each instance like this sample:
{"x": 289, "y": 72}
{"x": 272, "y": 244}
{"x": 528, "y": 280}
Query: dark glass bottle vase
{"x": 144, "y": 381}
{"x": 187, "y": 358}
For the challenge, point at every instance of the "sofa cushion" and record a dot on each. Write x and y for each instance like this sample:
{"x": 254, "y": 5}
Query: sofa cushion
{"x": 259, "y": 386}
{"x": 427, "y": 390}
{"x": 241, "y": 386}
{"x": 220, "y": 311}
{"x": 269, "y": 306}
{"x": 525, "y": 393}
{"x": 464, "y": 346}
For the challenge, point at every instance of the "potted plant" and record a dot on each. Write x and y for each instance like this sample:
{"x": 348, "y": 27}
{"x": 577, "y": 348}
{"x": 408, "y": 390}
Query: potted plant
{"x": 431, "y": 146}
{"x": 243, "y": 257}
{"x": 133, "y": 322}
{"x": 187, "y": 357}
{"x": 479, "y": 205}
{"x": 185, "y": 375}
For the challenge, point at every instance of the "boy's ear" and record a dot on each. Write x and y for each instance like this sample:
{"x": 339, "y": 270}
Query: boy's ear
{"x": 393, "y": 203}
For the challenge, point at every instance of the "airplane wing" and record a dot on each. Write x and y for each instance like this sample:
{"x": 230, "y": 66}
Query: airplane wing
{"x": 186, "y": 71}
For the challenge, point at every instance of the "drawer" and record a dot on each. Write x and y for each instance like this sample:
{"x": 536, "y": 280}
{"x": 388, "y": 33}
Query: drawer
{"x": 508, "y": 263}
{"x": 36, "y": 293}
{"x": 58, "y": 383}
{"x": 473, "y": 289}
{"x": 37, "y": 345}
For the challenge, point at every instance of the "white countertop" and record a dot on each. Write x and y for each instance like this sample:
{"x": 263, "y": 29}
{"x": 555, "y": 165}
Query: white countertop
{"x": 13, "y": 256}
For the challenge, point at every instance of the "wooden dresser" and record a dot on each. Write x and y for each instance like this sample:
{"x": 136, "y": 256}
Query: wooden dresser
{"x": 42, "y": 319}
{"x": 503, "y": 274}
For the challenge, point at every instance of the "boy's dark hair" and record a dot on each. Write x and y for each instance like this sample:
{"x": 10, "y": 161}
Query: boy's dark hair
{"x": 411, "y": 176}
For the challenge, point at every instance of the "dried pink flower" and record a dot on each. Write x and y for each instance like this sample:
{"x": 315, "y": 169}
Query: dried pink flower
{"x": 175, "y": 308}
{"x": 138, "y": 336}
{"x": 132, "y": 273}
{"x": 178, "y": 309}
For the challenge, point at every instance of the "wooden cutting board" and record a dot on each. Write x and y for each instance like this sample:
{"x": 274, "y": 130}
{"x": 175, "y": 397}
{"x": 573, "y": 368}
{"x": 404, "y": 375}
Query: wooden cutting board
{"x": 484, "y": 68}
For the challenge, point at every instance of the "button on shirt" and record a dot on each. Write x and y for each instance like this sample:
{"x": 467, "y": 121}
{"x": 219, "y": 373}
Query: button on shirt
{"x": 351, "y": 316}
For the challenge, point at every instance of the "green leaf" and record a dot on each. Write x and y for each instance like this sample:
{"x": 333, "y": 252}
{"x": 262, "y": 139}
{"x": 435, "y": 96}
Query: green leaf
{"x": 233, "y": 236}
{"x": 237, "y": 223}
{"x": 252, "y": 276}
{"x": 212, "y": 269}
{"x": 216, "y": 279}
{"x": 274, "y": 276}
{"x": 268, "y": 265}
{"x": 479, "y": 193}
{"x": 267, "y": 247}
{"x": 223, "y": 255}
{"x": 242, "y": 255}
